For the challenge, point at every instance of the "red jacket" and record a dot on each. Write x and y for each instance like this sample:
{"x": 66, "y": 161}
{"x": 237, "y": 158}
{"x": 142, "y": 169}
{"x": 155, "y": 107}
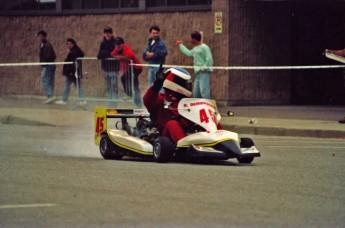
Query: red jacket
{"x": 128, "y": 53}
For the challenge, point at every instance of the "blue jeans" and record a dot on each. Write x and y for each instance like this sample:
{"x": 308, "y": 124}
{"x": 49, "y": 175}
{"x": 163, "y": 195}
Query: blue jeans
{"x": 67, "y": 88}
{"x": 110, "y": 82}
{"x": 48, "y": 79}
{"x": 202, "y": 85}
{"x": 152, "y": 74}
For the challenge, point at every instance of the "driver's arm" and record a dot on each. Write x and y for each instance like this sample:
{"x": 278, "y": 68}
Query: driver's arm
{"x": 151, "y": 97}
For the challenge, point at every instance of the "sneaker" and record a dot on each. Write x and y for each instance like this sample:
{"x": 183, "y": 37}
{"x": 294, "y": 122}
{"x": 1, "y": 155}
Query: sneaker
{"x": 82, "y": 102}
{"x": 61, "y": 102}
{"x": 49, "y": 100}
{"x": 125, "y": 97}
{"x": 342, "y": 121}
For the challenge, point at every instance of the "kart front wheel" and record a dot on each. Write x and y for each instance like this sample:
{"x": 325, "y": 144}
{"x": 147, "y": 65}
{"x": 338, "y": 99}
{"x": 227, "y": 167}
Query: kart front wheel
{"x": 245, "y": 160}
{"x": 162, "y": 149}
{"x": 246, "y": 143}
{"x": 107, "y": 149}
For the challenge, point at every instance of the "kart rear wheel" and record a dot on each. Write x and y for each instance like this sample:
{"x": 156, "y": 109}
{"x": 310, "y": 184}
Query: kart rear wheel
{"x": 107, "y": 149}
{"x": 246, "y": 143}
{"x": 162, "y": 149}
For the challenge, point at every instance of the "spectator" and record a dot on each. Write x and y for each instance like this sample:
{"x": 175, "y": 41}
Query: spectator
{"x": 340, "y": 53}
{"x": 72, "y": 74}
{"x": 47, "y": 55}
{"x": 124, "y": 50}
{"x": 109, "y": 67}
{"x": 155, "y": 52}
{"x": 202, "y": 61}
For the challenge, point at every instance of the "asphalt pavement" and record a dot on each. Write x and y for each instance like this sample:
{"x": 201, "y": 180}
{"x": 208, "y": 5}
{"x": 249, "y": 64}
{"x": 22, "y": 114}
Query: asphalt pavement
{"x": 304, "y": 121}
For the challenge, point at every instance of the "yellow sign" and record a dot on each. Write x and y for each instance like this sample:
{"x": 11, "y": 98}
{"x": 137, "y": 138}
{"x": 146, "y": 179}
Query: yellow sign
{"x": 218, "y": 22}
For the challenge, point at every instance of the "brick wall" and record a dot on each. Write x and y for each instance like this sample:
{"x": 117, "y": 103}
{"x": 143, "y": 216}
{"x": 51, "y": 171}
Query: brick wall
{"x": 19, "y": 43}
{"x": 254, "y": 34}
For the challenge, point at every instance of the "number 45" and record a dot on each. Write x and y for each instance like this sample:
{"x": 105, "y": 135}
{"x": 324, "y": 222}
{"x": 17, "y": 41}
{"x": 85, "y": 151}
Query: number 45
{"x": 99, "y": 125}
{"x": 205, "y": 115}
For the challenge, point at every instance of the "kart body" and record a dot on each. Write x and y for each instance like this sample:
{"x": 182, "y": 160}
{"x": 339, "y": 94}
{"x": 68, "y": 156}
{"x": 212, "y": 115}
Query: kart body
{"x": 142, "y": 139}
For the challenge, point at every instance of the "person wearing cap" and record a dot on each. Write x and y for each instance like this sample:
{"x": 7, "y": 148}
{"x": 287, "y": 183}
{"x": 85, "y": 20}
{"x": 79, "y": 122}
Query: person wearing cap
{"x": 47, "y": 55}
{"x": 123, "y": 50}
{"x": 202, "y": 62}
{"x": 176, "y": 83}
{"x": 154, "y": 53}
{"x": 109, "y": 66}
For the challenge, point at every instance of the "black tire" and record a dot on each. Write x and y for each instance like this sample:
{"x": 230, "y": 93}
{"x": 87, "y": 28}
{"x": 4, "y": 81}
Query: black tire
{"x": 162, "y": 149}
{"x": 246, "y": 143}
{"x": 245, "y": 160}
{"x": 107, "y": 149}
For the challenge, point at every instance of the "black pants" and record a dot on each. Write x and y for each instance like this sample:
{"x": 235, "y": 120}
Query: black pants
{"x": 127, "y": 84}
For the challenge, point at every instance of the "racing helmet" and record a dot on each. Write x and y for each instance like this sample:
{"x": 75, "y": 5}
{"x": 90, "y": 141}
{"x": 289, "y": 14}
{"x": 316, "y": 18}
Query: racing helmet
{"x": 179, "y": 81}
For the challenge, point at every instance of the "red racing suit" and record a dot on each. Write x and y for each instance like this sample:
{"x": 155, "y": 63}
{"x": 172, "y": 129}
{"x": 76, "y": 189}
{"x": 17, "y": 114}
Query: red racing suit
{"x": 169, "y": 123}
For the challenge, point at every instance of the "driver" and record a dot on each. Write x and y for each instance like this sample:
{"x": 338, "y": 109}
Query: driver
{"x": 163, "y": 106}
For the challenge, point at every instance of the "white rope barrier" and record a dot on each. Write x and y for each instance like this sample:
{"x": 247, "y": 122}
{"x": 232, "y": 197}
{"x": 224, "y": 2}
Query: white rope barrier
{"x": 189, "y": 67}
{"x": 250, "y": 67}
{"x": 35, "y": 64}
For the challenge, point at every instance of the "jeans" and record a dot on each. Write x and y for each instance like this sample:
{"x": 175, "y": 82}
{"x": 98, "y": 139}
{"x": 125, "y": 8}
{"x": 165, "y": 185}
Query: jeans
{"x": 67, "y": 88}
{"x": 48, "y": 79}
{"x": 110, "y": 82}
{"x": 152, "y": 74}
{"x": 202, "y": 85}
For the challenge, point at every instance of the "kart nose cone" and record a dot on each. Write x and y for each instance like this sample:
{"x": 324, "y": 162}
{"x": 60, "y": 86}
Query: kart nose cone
{"x": 205, "y": 152}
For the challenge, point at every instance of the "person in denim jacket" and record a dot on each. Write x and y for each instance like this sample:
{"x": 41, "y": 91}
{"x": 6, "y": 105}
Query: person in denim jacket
{"x": 155, "y": 53}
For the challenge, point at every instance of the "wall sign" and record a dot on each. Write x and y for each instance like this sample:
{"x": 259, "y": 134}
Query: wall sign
{"x": 218, "y": 22}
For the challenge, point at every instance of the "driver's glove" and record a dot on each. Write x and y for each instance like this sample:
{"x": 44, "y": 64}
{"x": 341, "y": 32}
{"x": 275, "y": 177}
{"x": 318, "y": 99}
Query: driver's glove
{"x": 160, "y": 77}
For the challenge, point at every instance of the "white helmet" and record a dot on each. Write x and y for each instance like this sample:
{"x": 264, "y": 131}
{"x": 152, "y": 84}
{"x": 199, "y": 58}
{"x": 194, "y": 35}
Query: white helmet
{"x": 179, "y": 81}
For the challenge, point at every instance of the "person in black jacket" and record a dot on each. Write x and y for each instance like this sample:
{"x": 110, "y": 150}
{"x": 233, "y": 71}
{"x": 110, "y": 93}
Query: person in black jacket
{"x": 109, "y": 66}
{"x": 47, "y": 56}
{"x": 72, "y": 72}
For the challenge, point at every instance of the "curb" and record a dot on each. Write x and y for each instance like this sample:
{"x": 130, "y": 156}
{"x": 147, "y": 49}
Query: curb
{"x": 240, "y": 129}
{"x": 280, "y": 131}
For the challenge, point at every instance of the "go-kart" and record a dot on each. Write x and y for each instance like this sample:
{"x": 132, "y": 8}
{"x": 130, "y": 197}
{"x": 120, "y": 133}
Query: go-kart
{"x": 203, "y": 140}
